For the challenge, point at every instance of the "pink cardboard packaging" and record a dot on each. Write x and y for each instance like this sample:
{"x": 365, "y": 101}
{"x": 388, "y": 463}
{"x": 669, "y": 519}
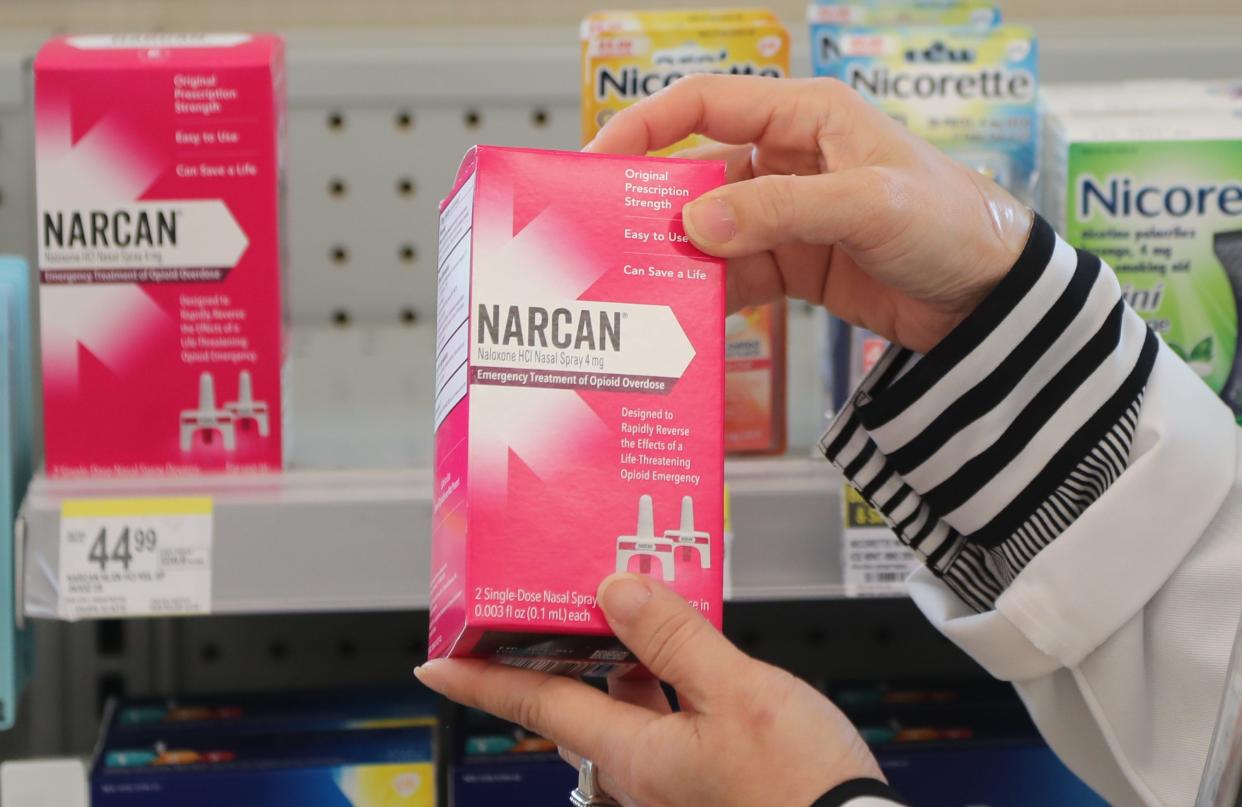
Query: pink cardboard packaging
{"x": 158, "y": 161}
{"x": 579, "y": 414}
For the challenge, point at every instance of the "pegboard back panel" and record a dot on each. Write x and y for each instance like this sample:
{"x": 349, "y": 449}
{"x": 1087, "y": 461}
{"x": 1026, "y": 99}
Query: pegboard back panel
{"x": 364, "y": 184}
{"x": 16, "y": 158}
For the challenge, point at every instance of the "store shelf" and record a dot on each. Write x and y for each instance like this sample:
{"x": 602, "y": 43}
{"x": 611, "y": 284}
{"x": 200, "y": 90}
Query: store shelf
{"x": 346, "y": 528}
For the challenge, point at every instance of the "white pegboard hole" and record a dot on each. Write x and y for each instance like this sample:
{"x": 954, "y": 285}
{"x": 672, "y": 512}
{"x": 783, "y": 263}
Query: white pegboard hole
{"x": 408, "y": 253}
{"x": 473, "y": 119}
{"x": 339, "y": 255}
{"x": 406, "y": 187}
{"x": 409, "y": 316}
{"x": 340, "y": 318}
{"x": 404, "y": 120}
{"x": 540, "y": 118}
{"x": 336, "y": 121}
{"x": 337, "y": 188}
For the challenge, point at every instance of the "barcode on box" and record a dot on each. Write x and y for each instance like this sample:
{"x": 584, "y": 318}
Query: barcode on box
{"x": 587, "y": 669}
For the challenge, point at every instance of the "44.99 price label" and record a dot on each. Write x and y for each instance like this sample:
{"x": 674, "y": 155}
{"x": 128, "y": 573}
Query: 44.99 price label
{"x": 135, "y": 557}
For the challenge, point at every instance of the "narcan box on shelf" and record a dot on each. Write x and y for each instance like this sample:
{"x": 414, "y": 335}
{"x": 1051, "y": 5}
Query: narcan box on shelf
{"x": 158, "y": 163}
{"x": 578, "y": 412}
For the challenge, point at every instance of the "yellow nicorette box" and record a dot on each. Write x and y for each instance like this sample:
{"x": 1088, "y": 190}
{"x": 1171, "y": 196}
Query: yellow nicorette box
{"x": 629, "y": 55}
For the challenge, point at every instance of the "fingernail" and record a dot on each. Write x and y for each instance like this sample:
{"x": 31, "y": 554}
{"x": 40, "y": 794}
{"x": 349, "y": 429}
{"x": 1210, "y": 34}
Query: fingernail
{"x": 426, "y": 670}
{"x": 710, "y": 221}
{"x": 622, "y": 597}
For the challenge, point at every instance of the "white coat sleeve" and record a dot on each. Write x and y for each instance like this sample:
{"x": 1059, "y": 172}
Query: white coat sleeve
{"x": 1072, "y": 487}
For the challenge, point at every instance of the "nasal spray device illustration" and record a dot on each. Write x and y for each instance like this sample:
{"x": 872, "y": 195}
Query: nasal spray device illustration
{"x": 208, "y": 418}
{"x": 580, "y": 382}
{"x": 647, "y": 546}
{"x": 644, "y": 544}
{"x": 246, "y": 408}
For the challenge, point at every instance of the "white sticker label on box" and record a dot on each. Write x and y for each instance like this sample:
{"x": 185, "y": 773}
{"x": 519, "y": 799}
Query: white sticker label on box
{"x": 135, "y": 557}
{"x": 876, "y": 563}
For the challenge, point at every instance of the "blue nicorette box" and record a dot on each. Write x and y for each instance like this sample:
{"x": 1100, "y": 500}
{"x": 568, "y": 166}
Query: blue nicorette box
{"x": 371, "y": 767}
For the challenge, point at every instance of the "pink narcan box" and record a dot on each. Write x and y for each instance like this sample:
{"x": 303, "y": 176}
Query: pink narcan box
{"x": 158, "y": 164}
{"x": 578, "y": 410}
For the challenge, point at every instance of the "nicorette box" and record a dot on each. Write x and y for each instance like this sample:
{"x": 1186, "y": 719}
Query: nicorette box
{"x": 830, "y": 19}
{"x": 158, "y": 164}
{"x": 626, "y": 57}
{"x": 629, "y": 55}
{"x": 579, "y": 375}
{"x": 1159, "y": 197}
{"x": 971, "y": 91}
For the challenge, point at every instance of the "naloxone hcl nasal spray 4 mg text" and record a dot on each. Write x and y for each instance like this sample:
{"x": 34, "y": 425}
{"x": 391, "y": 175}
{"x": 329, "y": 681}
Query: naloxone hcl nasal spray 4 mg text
{"x": 578, "y": 412}
{"x": 158, "y": 161}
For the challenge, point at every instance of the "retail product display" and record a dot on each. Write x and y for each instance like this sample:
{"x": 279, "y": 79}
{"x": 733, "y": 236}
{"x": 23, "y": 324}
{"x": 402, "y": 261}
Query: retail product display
{"x": 955, "y": 76}
{"x": 959, "y": 744}
{"x": 158, "y": 162}
{"x": 969, "y": 89}
{"x": 755, "y": 379}
{"x": 366, "y": 749}
{"x": 16, "y": 456}
{"x": 579, "y": 378}
{"x": 1151, "y": 181}
{"x": 627, "y": 56}
{"x": 244, "y": 713}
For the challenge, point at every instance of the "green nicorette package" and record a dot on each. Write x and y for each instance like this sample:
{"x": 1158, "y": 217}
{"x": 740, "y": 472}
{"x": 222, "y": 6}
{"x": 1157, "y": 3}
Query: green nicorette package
{"x": 1159, "y": 197}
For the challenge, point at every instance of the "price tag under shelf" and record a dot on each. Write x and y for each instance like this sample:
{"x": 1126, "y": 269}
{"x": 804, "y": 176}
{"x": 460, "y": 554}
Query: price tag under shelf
{"x": 875, "y": 562}
{"x": 135, "y": 557}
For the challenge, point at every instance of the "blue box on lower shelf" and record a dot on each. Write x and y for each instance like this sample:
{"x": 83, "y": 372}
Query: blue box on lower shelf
{"x": 342, "y": 749}
{"x": 276, "y": 711}
{"x": 495, "y": 762}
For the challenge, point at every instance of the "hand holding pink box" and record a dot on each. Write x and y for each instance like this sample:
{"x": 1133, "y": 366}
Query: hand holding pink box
{"x": 579, "y": 414}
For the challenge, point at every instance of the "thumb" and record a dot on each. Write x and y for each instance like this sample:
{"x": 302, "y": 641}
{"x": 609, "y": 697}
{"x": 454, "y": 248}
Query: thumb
{"x": 745, "y": 218}
{"x": 670, "y": 637}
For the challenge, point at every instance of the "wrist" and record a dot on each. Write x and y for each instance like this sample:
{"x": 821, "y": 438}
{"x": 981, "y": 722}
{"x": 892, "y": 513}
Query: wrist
{"x": 856, "y": 763}
{"x": 862, "y": 791}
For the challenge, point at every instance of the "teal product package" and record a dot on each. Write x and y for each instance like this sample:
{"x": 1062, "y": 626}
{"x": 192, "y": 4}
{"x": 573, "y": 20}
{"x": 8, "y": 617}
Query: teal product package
{"x": 970, "y": 91}
{"x": 1159, "y": 197}
{"x": 16, "y": 459}
{"x": 15, "y": 274}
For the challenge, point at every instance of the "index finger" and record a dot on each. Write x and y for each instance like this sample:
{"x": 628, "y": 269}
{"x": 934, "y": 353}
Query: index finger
{"x": 781, "y": 112}
{"x": 567, "y": 712}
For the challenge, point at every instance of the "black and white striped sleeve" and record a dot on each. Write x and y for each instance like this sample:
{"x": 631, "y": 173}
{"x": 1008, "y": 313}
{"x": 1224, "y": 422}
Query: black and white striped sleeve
{"x": 982, "y": 451}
